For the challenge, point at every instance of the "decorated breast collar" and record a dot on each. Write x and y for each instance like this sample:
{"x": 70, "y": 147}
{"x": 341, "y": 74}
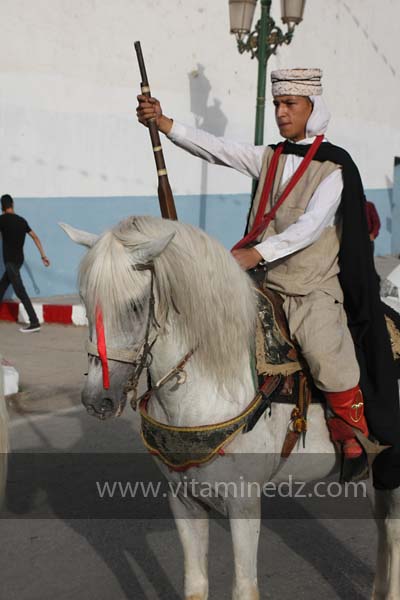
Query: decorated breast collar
{"x": 181, "y": 448}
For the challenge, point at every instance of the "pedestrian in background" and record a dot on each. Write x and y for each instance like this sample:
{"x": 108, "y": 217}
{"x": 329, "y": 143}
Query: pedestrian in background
{"x": 374, "y": 223}
{"x": 13, "y": 229}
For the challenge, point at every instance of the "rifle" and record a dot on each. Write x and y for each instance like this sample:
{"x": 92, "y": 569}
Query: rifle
{"x": 166, "y": 199}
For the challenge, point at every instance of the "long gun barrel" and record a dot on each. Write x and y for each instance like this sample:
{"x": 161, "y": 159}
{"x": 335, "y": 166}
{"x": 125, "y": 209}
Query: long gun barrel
{"x": 166, "y": 199}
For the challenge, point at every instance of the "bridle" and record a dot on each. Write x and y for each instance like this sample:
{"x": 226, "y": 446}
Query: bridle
{"x": 141, "y": 358}
{"x": 144, "y": 357}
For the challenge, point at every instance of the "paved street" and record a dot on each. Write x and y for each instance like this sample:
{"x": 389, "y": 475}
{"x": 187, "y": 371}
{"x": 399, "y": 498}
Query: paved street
{"x": 50, "y": 363}
{"x": 116, "y": 559}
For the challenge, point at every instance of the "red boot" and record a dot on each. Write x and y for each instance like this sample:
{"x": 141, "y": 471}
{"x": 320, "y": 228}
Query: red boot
{"x": 349, "y": 407}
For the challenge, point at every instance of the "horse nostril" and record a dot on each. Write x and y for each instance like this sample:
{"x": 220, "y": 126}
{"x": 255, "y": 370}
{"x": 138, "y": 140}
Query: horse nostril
{"x": 101, "y": 408}
{"x": 106, "y": 405}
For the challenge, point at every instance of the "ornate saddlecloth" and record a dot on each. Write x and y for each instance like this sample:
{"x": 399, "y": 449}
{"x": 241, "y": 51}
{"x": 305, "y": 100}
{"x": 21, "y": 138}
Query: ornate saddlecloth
{"x": 275, "y": 352}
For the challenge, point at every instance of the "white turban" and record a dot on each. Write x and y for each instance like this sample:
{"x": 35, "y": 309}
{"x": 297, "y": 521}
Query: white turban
{"x": 317, "y": 123}
{"x": 296, "y": 82}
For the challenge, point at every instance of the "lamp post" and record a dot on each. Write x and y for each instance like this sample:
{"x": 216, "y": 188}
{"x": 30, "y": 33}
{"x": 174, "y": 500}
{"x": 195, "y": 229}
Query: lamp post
{"x": 263, "y": 41}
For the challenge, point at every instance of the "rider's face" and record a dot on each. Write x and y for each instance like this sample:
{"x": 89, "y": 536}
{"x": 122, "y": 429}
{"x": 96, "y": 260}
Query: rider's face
{"x": 292, "y": 114}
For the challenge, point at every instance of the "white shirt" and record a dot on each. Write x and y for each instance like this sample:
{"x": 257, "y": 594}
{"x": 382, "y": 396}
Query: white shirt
{"x": 247, "y": 159}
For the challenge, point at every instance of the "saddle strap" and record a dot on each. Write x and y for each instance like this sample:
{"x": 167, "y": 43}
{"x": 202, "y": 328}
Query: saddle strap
{"x": 298, "y": 419}
{"x": 266, "y": 390}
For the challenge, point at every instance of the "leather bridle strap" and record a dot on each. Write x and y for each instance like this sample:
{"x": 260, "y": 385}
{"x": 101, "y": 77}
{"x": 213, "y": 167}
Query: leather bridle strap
{"x": 177, "y": 371}
{"x": 125, "y": 356}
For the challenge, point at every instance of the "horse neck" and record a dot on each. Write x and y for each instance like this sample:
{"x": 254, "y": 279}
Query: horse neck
{"x": 199, "y": 400}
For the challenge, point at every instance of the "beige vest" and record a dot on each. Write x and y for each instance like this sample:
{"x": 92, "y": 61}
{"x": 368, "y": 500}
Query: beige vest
{"x": 313, "y": 267}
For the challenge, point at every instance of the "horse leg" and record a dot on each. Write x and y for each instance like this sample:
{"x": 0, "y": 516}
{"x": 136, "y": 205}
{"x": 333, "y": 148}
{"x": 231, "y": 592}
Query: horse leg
{"x": 387, "y": 514}
{"x": 192, "y": 524}
{"x": 245, "y": 533}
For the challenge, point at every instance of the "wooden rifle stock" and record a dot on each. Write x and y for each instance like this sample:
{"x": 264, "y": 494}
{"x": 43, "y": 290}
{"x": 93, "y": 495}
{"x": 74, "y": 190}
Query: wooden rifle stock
{"x": 166, "y": 199}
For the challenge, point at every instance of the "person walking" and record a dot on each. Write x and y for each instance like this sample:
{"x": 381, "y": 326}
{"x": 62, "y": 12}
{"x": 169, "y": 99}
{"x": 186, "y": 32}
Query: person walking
{"x": 13, "y": 229}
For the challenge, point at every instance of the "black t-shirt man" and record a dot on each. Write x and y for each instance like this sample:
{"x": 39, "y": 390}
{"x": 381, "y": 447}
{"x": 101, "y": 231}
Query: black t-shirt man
{"x": 13, "y": 229}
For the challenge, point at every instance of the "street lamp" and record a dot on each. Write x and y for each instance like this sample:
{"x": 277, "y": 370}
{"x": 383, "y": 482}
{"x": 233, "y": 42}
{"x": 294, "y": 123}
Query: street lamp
{"x": 263, "y": 41}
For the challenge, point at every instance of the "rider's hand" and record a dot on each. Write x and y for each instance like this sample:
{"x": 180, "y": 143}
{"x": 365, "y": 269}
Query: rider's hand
{"x": 150, "y": 108}
{"x": 248, "y": 258}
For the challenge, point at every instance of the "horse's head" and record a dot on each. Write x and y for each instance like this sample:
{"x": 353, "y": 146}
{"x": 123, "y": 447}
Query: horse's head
{"x": 117, "y": 288}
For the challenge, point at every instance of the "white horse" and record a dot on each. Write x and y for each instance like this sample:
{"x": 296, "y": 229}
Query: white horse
{"x": 203, "y": 302}
{"x": 3, "y": 438}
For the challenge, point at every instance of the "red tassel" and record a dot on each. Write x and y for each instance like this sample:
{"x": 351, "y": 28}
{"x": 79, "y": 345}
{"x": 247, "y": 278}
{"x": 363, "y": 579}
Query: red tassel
{"x": 101, "y": 348}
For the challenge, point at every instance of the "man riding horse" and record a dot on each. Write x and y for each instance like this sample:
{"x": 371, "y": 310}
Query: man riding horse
{"x": 307, "y": 224}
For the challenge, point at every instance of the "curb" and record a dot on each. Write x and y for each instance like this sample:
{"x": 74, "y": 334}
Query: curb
{"x": 65, "y": 314}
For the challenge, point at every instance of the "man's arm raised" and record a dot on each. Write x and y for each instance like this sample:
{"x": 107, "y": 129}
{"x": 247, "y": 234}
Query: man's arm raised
{"x": 245, "y": 158}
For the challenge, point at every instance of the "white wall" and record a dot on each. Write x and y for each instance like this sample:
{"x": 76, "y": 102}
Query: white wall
{"x": 68, "y": 81}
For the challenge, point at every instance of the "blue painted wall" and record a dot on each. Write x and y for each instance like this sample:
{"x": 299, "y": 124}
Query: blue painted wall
{"x": 395, "y": 249}
{"x": 383, "y": 200}
{"x": 223, "y": 217}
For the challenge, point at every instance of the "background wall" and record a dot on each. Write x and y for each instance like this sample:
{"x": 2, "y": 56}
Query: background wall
{"x": 73, "y": 151}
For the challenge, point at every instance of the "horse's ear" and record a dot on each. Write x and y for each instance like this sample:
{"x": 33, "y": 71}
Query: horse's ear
{"x": 148, "y": 251}
{"x": 79, "y": 236}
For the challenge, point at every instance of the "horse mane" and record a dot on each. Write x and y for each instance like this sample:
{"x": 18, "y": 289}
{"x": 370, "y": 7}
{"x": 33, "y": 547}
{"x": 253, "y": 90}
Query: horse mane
{"x": 195, "y": 274}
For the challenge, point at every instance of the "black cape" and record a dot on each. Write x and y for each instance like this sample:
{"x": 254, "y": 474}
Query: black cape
{"x": 365, "y": 314}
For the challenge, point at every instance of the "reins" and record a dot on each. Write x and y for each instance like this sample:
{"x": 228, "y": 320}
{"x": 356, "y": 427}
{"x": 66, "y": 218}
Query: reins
{"x": 177, "y": 371}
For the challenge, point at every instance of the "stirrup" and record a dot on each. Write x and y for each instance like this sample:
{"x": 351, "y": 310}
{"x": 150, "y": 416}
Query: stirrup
{"x": 371, "y": 448}
{"x": 358, "y": 469}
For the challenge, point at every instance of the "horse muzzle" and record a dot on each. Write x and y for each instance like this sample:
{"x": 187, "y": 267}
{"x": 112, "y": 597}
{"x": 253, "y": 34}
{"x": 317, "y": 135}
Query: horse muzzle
{"x": 103, "y": 409}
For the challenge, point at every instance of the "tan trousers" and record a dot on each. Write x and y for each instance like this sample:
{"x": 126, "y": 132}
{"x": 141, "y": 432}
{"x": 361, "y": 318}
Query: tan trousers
{"x": 318, "y": 322}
